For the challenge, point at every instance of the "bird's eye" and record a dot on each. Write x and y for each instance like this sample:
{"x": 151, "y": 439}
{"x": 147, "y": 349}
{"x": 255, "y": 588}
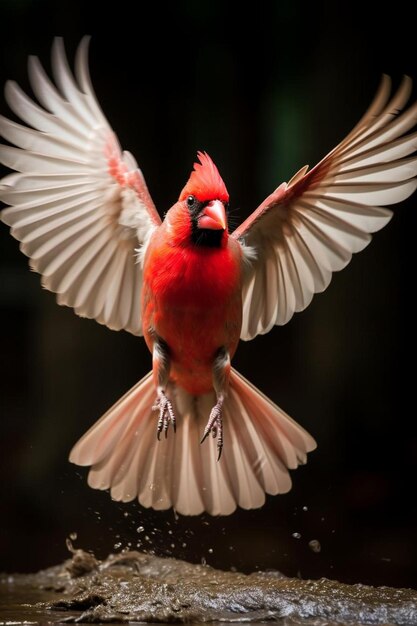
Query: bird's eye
{"x": 190, "y": 201}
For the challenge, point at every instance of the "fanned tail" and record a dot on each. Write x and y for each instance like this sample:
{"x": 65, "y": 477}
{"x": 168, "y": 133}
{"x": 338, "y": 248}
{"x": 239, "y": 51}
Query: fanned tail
{"x": 261, "y": 443}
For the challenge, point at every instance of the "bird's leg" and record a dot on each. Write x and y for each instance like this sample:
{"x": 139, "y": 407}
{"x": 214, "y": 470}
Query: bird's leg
{"x": 161, "y": 366}
{"x": 221, "y": 371}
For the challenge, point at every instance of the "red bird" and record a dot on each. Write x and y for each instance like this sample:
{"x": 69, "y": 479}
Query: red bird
{"x": 81, "y": 209}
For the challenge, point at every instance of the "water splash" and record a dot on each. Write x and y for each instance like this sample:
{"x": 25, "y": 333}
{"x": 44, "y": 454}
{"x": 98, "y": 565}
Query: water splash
{"x": 167, "y": 590}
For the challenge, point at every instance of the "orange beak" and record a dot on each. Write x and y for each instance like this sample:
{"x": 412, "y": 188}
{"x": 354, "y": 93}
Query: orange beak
{"x": 213, "y": 216}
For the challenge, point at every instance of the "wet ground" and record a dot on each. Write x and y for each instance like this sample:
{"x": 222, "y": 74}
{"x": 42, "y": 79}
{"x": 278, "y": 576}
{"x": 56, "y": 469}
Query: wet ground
{"x": 137, "y": 587}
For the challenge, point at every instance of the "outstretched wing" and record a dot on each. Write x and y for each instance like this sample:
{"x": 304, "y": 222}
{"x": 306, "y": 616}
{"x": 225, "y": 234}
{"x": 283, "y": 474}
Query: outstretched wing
{"x": 311, "y": 226}
{"x": 79, "y": 205}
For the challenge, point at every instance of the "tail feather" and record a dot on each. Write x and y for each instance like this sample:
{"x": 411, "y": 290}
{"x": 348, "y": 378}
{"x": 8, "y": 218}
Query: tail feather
{"x": 270, "y": 471}
{"x": 260, "y": 443}
{"x": 290, "y": 441}
{"x": 153, "y": 468}
{"x": 110, "y": 444}
{"x": 99, "y": 441}
{"x": 241, "y": 460}
{"x": 187, "y": 492}
{"x": 214, "y": 483}
{"x": 135, "y": 454}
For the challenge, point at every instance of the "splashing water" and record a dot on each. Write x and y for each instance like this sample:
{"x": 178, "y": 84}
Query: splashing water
{"x": 137, "y": 587}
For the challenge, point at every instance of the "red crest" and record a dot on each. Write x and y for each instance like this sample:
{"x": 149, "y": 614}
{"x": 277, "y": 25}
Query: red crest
{"x": 205, "y": 182}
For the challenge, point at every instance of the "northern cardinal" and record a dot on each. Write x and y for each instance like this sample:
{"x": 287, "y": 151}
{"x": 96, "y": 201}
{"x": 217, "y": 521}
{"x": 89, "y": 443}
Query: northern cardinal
{"x": 81, "y": 209}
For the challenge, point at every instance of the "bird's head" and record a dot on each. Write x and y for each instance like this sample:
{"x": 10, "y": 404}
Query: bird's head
{"x": 202, "y": 205}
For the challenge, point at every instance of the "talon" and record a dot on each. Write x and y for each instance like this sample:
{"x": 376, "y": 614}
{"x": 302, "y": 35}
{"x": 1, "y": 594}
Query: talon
{"x": 166, "y": 415}
{"x": 215, "y": 426}
{"x": 220, "y": 444}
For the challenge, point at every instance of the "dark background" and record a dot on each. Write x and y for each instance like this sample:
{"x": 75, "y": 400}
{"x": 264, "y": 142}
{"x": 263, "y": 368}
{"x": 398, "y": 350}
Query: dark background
{"x": 264, "y": 90}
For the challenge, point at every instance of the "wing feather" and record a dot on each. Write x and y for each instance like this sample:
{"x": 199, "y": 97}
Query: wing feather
{"x": 79, "y": 206}
{"x": 309, "y": 228}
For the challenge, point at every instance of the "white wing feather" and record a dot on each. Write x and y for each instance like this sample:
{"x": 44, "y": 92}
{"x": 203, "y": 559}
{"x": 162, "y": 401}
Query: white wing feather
{"x": 79, "y": 206}
{"x": 310, "y": 228}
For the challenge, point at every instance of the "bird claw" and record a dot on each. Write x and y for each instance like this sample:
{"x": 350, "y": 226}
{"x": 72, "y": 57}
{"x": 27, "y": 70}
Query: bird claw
{"x": 166, "y": 415}
{"x": 215, "y": 427}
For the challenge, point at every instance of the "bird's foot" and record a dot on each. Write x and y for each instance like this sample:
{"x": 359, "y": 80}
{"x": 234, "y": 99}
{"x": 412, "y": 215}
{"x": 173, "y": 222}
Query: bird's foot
{"x": 166, "y": 414}
{"x": 215, "y": 426}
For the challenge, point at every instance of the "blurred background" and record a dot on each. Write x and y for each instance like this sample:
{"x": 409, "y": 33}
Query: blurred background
{"x": 264, "y": 90}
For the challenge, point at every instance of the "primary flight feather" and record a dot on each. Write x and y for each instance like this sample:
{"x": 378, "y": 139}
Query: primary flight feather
{"x": 81, "y": 209}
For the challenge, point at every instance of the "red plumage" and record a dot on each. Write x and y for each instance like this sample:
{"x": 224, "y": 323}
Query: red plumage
{"x": 191, "y": 298}
{"x": 205, "y": 181}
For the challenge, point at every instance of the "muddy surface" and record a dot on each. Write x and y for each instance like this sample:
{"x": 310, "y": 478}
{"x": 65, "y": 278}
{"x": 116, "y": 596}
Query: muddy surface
{"x": 137, "y": 587}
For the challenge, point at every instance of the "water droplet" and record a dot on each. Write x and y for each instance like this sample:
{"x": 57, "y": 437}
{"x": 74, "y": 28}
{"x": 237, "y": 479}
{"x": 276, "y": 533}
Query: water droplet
{"x": 172, "y": 545}
{"x": 210, "y": 550}
{"x": 73, "y": 536}
{"x": 203, "y": 560}
{"x": 183, "y": 545}
{"x": 126, "y": 514}
{"x": 152, "y": 486}
{"x": 170, "y": 532}
{"x": 314, "y": 545}
{"x": 305, "y": 508}
{"x": 69, "y": 545}
{"x": 140, "y": 529}
{"x": 296, "y": 535}
{"x": 117, "y": 545}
